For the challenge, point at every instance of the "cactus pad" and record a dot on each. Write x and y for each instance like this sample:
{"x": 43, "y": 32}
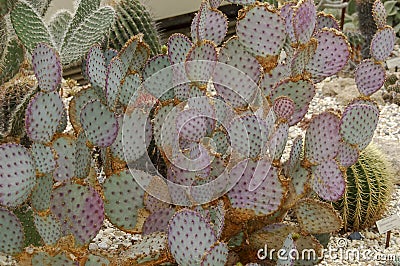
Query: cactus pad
{"x": 43, "y": 115}
{"x": 317, "y": 217}
{"x": 201, "y": 61}
{"x": 49, "y": 228}
{"x": 212, "y": 25}
{"x": 94, "y": 260}
{"x": 304, "y": 20}
{"x": 287, "y": 11}
{"x": 40, "y": 197}
{"x": 295, "y": 154}
{"x": 157, "y": 76}
{"x": 17, "y": 174}
{"x": 322, "y": 138}
{"x": 347, "y": 155}
{"x": 82, "y": 157}
{"x": 271, "y": 79}
{"x": 326, "y": 21}
{"x": 379, "y": 14}
{"x": 331, "y": 55}
{"x": 44, "y": 157}
{"x": 277, "y": 141}
{"x": 289, "y": 246}
{"x": 283, "y": 107}
{"x": 302, "y": 57}
{"x": 142, "y": 54}
{"x": 12, "y": 235}
{"x": 100, "y": 124}
{"x": 261, "y": 30}
{"x": 216, "y": 256}
{"x": 242, "y": 2}
{"x": 267, "y": 196}
{"x": 328, "y": 180}
{"x": 96, "y": 67}
{"x": 301, "y": 92}
{"x": 157, "y": 221}
{"x": 178, "y": 47}
{"x": 114, "y": 77}
{"x": 65, "y": 147}
{"x": 80, "y": 210}
{"x": 130, "y": 85}
{"x": 382, "y": 43}
{"x": 127, "y": 53}
{"x": 189, "y": 236}
{"x": 47, "y": 67}
{"x": 149, "y": 247}
{"x": 123, "y": 198}
{"x": 358, "y": 123}
{"x": 76, "y": 105}
{"x": 369, "y": 77}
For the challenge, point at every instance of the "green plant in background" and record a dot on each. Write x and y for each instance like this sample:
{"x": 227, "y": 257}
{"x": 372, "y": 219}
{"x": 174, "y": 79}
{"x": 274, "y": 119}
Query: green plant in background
{"x": 368, "y": 191}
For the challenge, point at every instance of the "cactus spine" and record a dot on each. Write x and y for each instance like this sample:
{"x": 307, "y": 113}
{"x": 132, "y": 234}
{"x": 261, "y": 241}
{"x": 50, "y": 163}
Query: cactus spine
{"x": 369, "y": 188}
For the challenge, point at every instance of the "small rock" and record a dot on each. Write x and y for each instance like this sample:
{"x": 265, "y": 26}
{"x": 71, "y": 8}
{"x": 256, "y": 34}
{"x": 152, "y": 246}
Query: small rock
{"x": 103, "y": 245}
{"x": 108, "y": 231}
{"x": 93, "y": 246}
{"x": 355, "y": 236}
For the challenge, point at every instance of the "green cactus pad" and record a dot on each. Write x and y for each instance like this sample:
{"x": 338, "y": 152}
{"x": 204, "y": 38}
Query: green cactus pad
{"x": 62, "y": 126}
{"x": 328, "y": 181}
{"x": 100, "y": 124}
{"x": 82, "y": 157}
{"x": 304, "y": 20}
{"x": 114, "y": 77}
{"x": 49, "y": 228}
{"x": 358, "y": 123}
{"x": 261, "y": 30}
{"x": 347, "y": 154}
{"x": 267, "y": 196}
{"x": 382, "y": 43}
{"x": 217, "y": 217}
{"x": 157, "y": 76}
{"x": 331, "y": 56}
{"x": 43, "y": 115}
{"x": 109, "y": 54}
{"x": 47, "y": 67}
{"x": 58, "y": 26}
{"x": 158, "y": 221}
{"x": 44, "y": 157}
{"x": 24, "y": 14}
{"x": 305, "y": 244}
{"x": 277, "y": 141}
{"x": 40, "y": 197}
{"x": 326, "y": 21}
{"x": 136, "y": 134}
{"x": 200, "y": 62}
{"x": 96, "y": 67}
{"x": 289, "y": 246}
{"x": 83, "y": 37}
{"x": 369, "y": 77}
{"x": 77, "y": 103}
{"x": 94, "y": 260}
{"x": 212, "y": 25}
{"x": 301, "y": 92}
{"x": 322, "y": 138}
{"x": 123, "y": 198}
{"x": 379, "y": 14}
{"x": 127, "y": 52}
{"x": 216, "y": 256}
{"x": 179, "y": 46}
{"x": 148, "y": 248}
{"x": 65, "y": 148}
{"x": 316, "y": 217}
{"x": 17, "y": 174}
{"x": 130, "y": 85}
{"x": 12, "y": 235}
{"x": 302, "y": 57}
{"x": 187, "y": 243}
{"x": 81, "y": 210}
{"x": 43, "y": 258}
{"x": 271, "y": 79}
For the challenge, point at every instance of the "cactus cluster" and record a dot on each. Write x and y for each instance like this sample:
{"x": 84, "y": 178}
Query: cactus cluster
{"x": 218, "y": 118}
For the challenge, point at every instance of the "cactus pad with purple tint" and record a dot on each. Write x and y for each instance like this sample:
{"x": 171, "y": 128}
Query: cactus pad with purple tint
{"x": 12, "y": 234}
{"x": 201, "y": 61}
{"x": 40, "y": 197}
{"x": 271, "y": 79}
{"x": 347, "y": 155}
{"x": 158, "y": 221}
{"x": 328, "y": 181}
{"x": 64, "y": 146}
{"x": 326, "y": 21}
{"x": 215, "y": 26}
{"x": 47, "y": 67}
{"x": 48, "y": 227}
{"x": 379, "y": 14}
{"x": 44, "y": 157}
{"x": 216, "y": 256}
{"x": 114, "y": 77}
{"x": 302, "y": 56}
{"x": 178, "y": 47}
{"x": 382, "y": 43}
{"x": 369, "y": 77}
{"x": 304, "y": 20}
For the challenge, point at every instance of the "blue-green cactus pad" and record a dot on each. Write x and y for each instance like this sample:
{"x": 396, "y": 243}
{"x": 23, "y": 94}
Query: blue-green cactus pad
{"x": 82, "y": 157}
{"x": 65, "y": 148}
{"x": 130, "y": 85}
{"x": 216, "y": 256}
{"x": 114, "y": 77}
{"x": 12, "y": 234}
{"x": 96, "y": 67}
{"x": 40, "y": 197}
{"x": 48, "y": 227}
{"x": 44, "y": 157}
{"x": 47, "y": 67}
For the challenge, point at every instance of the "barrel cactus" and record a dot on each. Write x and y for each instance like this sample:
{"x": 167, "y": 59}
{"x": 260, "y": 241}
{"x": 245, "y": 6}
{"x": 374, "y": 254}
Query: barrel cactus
{"x": 218, "y": 117}
{"x": 368, "y": 190}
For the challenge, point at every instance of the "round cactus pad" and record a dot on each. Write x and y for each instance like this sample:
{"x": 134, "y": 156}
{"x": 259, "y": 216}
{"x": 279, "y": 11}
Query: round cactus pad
{"x": 48, "y": 227}
{"x": 12, "y": 234}
{"x": 128, "y": 52}
{"x": 64, "y": 146}
{"x": 379, "y": 14}
{"x": 322, "y": 138}
{"x": 80, "y": 211}
{"x": 328, "y": 181}
{"x": 200, "y": 62}
{"x": 287, "y": 12}
{"x": 158, "y": 221}
{"x": 114, "y": 77}
{"x": 216, "y": 256}
{"x": 96, "y": 67}
{"x": 265, "y": 198}
{"x": 271, "y": 79}
{"x": 179, "y": 46}
{"x": 382, "y": 43}
{"x": 130, "y": 85}
{"x": 316, "y": 217}
{"x": 77, "y": 103}
{"x": 17, "y": 174}
{"x": 47, "y": 67}
{"x": 142, "y": 54}
{"x": 189, "y": 237}
{"x": 347, "y": 155}
{"x": 123, "y": 198}
{"x": 100, "y": 124}
{"x": 304, "y": 20}
{"x": 43, "y": 116}
{"x": 369, "y": 77}
{"x": 261, "y": 30}
{"x": 283, "y": 107}
{"x": 326, "y": 21}
{"x": 40, "y": 197}
{"x": 358, "y": 123}
{"x": 331, "y": 56}
{"x": 44, "y": 157}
